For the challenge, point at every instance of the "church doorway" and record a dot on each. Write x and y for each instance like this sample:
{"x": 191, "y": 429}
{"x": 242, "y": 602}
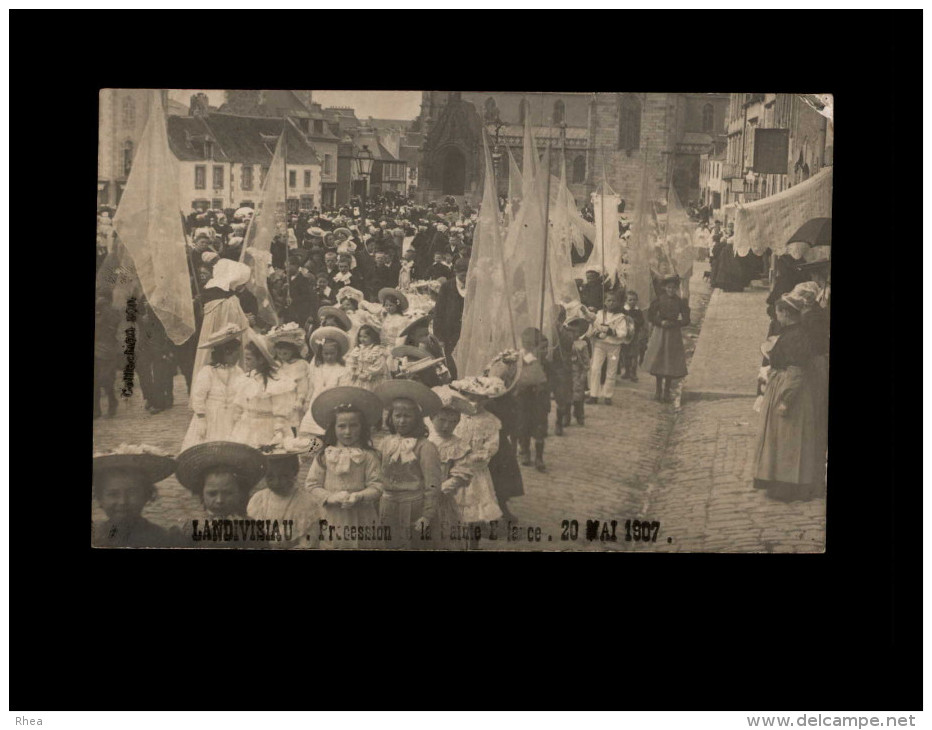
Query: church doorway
{"x": 454, "y": 172}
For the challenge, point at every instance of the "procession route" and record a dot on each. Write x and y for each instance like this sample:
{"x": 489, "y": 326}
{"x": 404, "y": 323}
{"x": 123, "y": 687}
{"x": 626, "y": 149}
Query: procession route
{"x": 686, "y": 467}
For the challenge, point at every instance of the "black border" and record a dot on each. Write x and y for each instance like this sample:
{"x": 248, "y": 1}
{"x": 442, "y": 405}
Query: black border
{"x": 640, "y": 632}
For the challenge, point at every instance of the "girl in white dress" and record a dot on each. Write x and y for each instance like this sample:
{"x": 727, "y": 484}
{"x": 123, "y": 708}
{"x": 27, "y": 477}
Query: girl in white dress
{"x": 264, "y": 404}
{"x": 327, "y": 371}
{"x": 394, "y": 306}
{"x": 345, "y": 479}
{"x": 214, "y": 388}
{"x": 360, "y": 312}
{"x": 480, "y": 429}
{"x": 290, "y": 351}
{"x": 367, "y": 364}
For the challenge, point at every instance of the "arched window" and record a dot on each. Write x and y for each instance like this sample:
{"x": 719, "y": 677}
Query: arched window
{"x": 629, "y": 123}
{"x": 579, "y": 169}
{"x": 129, "y": 112}
{"x": 523, "y": 109}
{"x": 708, "y": 117}
{"x": 559, "y": 111}
{"x": 127, "y": 157}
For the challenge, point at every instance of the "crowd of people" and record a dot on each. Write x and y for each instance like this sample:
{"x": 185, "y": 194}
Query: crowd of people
{"x": 369, "y": 312}
{"x": 357, "y": 374}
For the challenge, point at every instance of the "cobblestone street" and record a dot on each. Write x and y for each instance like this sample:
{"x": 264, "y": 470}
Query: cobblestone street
{"x": 687, "y": 467}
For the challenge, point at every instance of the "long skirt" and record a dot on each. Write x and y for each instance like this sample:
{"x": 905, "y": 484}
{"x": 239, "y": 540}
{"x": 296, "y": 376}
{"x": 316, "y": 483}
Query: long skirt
{"x": 665, "y": 354}
{"x": 787, "y": 460}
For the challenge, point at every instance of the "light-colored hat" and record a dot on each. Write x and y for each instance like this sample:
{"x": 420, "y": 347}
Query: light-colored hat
{"x": 334, "y": 334}
{"x": 262, "y": 345}
{"x": 293, "y": 446}
{"x": 594, "y": 268}
{"x": 343, "y": 231}
{"x": 221, "y": 336}
{"x": 291, "y": 333}
{"x": 409, "y": 351}
{"x": 794, "y": 301}
{"x": 391, "y": 390}
{"x": 452, "y": 399}
{"x": 325, "y": 405}
{"x": 348, "y": 292}
{"x": 229, "y": 275}
{"x": 808, "y": 290}
{"x": 392, "y": 292}
{"x": 193, "y": 464}
{"x": 209, "y": 257}
{"x": 316, "y": 232}
{"x": 328, "y": 311}
{"x": 152, "y": 462}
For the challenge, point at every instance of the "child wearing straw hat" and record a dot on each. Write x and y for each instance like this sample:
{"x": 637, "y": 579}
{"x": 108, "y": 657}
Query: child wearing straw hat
{"x": 282, "y": 499}
{"x": 454, "y": 452}
{"x": 290, "y": 350}
{"x": 124, "y": 483}
{"x": 220, "y": 474}
{"x": 264, "y": 404}
{"x": 411, "y": 467}
{"x": 345, "y": 478}
{"x": 328, "y": 370}
{"x": 215, "y": 387}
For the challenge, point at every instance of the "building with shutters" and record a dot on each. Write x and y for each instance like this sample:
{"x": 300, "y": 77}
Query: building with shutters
{"x": 775, "y": 141}
{"x": 224, "y": 158}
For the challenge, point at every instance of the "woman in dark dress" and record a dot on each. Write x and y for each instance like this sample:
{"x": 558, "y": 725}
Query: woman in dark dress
{"x": 124, "y": 483}
{"x": 665, "y": 358}
{"x": 789, "y": 458}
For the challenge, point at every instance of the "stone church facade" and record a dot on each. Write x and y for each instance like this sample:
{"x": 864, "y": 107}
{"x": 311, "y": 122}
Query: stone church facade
{"x": 632, "y": 137}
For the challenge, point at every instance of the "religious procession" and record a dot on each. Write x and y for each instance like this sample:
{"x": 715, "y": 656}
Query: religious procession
{"x": 485, "y": 360}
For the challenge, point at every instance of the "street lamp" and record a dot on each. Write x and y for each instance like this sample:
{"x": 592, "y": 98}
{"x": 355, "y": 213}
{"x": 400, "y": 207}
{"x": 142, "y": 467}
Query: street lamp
{"x": 494, "y": 124}
{"x": 364, "y": 161}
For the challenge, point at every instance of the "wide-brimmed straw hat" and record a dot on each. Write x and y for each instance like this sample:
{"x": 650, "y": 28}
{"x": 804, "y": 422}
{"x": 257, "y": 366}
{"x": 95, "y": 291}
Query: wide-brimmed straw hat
{"x": 334, "y": 334}
{"x": 421, "y": 321}
{"x": 290, "y": 333}
{"x": 323, "y": 409}
{"x": 349, "y": 292}
{"x": 409, "y": 351}
{"x": 316, "y": 232}
{"x": 293, "y": 446}
{"x": 391, "y": 292}
{"x": 420, "y": 365}
{"x": 193, "y": 464}
{"x": 152, "y": 463}
{"x": 328, "y": 311}
{"x": 451, "y": 399}
{"x": 391, "y": 390}
{"x": 262, "y": 345}
{"x": 226, "y": 334}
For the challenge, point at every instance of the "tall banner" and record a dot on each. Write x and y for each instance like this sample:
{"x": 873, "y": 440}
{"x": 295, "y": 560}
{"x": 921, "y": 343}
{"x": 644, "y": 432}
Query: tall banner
{"x": 149, "y": 226}
{"x": 606, "y": 249}
{"x": 268, "y": 221}
{"x": 488, "y": 322}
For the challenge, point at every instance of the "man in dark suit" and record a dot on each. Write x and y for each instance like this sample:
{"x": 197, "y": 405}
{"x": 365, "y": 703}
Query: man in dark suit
{"x": 301, "y": 291}
{"x": 383, "y": 274}
{"x": 448, "y": 313}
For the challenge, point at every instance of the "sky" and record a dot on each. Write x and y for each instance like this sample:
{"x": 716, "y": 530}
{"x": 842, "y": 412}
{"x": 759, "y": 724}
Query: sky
{"x": 378, "y": 104}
